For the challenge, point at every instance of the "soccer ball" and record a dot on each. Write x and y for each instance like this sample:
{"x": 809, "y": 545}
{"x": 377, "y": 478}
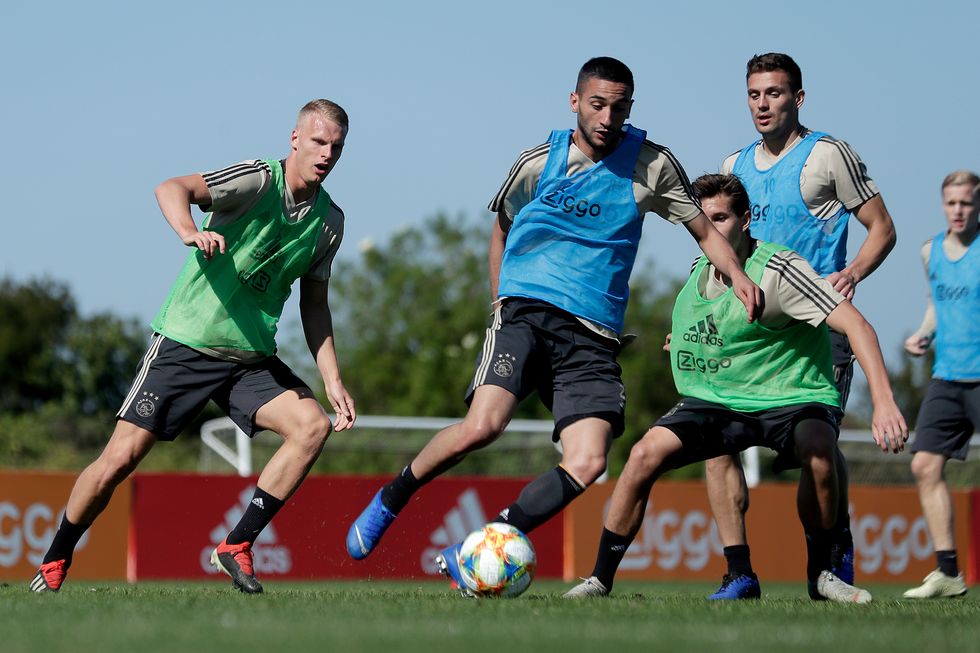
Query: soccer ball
{"x": 497, "y": 560}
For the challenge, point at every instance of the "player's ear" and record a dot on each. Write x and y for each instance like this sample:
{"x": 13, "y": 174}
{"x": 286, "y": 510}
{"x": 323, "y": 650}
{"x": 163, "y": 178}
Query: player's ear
{"x": 746, "y": 219}
{"x": 800, "y": 96}
{"x": 573, "y": 101}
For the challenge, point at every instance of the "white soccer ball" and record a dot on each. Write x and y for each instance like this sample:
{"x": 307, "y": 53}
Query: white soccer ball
{"x": 497, "y": 560}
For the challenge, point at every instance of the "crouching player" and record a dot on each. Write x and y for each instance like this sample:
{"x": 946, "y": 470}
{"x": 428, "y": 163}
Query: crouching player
{"x": 767, "y": 383}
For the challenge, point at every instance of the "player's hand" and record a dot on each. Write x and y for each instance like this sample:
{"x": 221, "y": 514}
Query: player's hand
{"x": 667, "y": 343}
{"x": 209, "y": 242}
{"x": 750, "y": 295}
{"x": 916, "y": 344}
{"x": 888, "y": 428}
{"x": 342, "y": 404}
{"x": 844, "y": 283}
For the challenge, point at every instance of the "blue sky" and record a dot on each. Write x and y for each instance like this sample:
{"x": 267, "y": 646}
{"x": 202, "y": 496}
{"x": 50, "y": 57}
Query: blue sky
{"x": 103, "y": 100}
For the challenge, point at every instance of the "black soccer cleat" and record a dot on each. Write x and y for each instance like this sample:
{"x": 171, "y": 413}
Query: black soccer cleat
{"x": 236, "y": 561}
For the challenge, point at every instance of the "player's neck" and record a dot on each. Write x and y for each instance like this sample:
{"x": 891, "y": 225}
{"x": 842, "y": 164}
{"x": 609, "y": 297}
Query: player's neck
{"x": 297, "y": 187}
{"x": 776, "y": 144}
{"x": 594, "y": 154}
{"x": 964, "y": 239}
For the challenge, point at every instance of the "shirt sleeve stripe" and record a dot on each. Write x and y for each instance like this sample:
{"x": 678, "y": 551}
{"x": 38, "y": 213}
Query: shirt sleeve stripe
{"x": 853, "y": 164}
{"x": 801, "y": 282}
{"x": 233, "y": 172}
{"x": 528, "y": 155}
{"x": 681, "y": 174}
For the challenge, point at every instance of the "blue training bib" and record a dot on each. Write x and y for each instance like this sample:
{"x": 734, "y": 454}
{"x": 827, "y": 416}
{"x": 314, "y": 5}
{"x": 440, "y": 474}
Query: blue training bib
{"x": 955, "y": 287}
{"x": 779, "y": 214}
{"x": 575, "y": 243}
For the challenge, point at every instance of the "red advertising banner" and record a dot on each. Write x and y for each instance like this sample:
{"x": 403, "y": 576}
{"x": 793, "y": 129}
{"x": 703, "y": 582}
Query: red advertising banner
{"x": 679, "y": 539}
{"x": 31, "y": 506}
{"x": 178, "y": 519}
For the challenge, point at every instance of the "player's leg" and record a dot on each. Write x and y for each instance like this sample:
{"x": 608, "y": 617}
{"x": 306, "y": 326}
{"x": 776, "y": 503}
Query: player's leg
{"x": 842, "y": 549}
{"x": 172, "y": 384}
{"x": 268, "y": 396}
{"x": 490, "y": 411}
{"x": 943, "y": 432}
{"x": 585, "y": 444}
{"x": 505, "y": 373}
{"x": 817, "y": 504}
{"x": 585, "y": 393}
{"x": 90, "y": 495}
{"x": 937, "y": 507}
{"x": 654, "y": 454}
{"x": 728, "y": 496}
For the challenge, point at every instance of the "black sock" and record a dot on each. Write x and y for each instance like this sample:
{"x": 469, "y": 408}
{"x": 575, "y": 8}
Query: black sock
{"x": 841, "y": 532}
{"x": 542, "y": 499}
{"x": 65, "y": 541}
{"x": 946, "y": 561}
{"x": 396, "y": 494}
{"x": 612, "y": 548}
{"x": 261, "y": 509}
{"x": 738, "y": 560}
{"x": 818, "y": 544}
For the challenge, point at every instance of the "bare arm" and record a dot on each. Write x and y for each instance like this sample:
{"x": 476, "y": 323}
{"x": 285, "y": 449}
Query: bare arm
{"x": 880, "y": 241}
{"x": 917, "y": 343}
{"x": 887, "y": 424}
{"x": 723, "y": 257}
{"x": 497, "y": 239}
{"x": 318, "y": 328}
{"x": 175, "y": 197}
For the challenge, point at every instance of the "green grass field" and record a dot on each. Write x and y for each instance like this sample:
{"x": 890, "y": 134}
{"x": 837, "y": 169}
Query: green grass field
{"x": 424, "y": 616}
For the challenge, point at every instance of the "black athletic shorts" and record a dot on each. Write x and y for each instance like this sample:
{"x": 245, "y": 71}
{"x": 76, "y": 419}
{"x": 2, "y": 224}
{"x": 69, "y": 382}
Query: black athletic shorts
{"x": 705, "y": 430}
{"x": 174, "y": 382}
{"x": 949, "y": 415}
{"x": 532, "y": 345}
{"x": 843, "y": 358}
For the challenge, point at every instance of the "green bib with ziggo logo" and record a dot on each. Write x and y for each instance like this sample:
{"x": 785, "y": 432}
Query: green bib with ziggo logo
{"x": 718, "y": 356}
{"x": 235, "y": 300}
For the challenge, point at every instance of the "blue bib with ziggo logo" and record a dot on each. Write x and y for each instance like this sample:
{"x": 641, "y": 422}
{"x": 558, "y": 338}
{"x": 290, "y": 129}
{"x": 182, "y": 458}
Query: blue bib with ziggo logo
{"x": 779, "y": 214}
{"x": 575, "y": 243}
{"x": 955, "y": 287}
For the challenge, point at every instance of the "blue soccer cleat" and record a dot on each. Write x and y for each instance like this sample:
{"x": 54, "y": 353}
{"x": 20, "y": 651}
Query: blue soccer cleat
{"x": 842, "y": 562}
{"x": 368, "y": 528}
{"x": 737, "y": 586}
{"x": 448, "y": 563}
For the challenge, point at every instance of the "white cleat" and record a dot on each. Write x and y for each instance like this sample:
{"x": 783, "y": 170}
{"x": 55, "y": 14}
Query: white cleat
{"x": 938, "y": 585}
{"x": 833, "y": 588}
{"x": 589, "y": 588}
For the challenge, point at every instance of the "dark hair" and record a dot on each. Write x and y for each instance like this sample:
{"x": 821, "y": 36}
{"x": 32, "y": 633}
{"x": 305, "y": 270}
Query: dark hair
{"x": 605, "y": 68}
{"x": 707, "y": 186}
{"x": 773, "y": 61}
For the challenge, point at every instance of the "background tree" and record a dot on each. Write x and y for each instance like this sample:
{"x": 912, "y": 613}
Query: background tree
{"x": 62, "y": 375}
{"x": 36, "y": 318}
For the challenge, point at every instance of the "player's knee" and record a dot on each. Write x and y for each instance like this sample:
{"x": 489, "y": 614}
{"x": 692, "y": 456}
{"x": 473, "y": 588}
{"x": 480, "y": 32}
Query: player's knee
{"x": 816, "y": 449}
{"x": 312, "y": 433}
{"x": 925, "y": 470}
{"x": 818, "y": 458}
{"x": 585, "y": 467}
{"x": 478, "y": 433}
{"x": 115, "y": 465}
{"x": 719, "y": 465}
{"x": 645, "y": 457}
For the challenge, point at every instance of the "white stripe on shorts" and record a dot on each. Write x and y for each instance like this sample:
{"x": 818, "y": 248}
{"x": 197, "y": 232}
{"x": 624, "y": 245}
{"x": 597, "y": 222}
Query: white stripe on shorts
{"x": 148, "y": 358}
{"x": 488, "y": 345}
